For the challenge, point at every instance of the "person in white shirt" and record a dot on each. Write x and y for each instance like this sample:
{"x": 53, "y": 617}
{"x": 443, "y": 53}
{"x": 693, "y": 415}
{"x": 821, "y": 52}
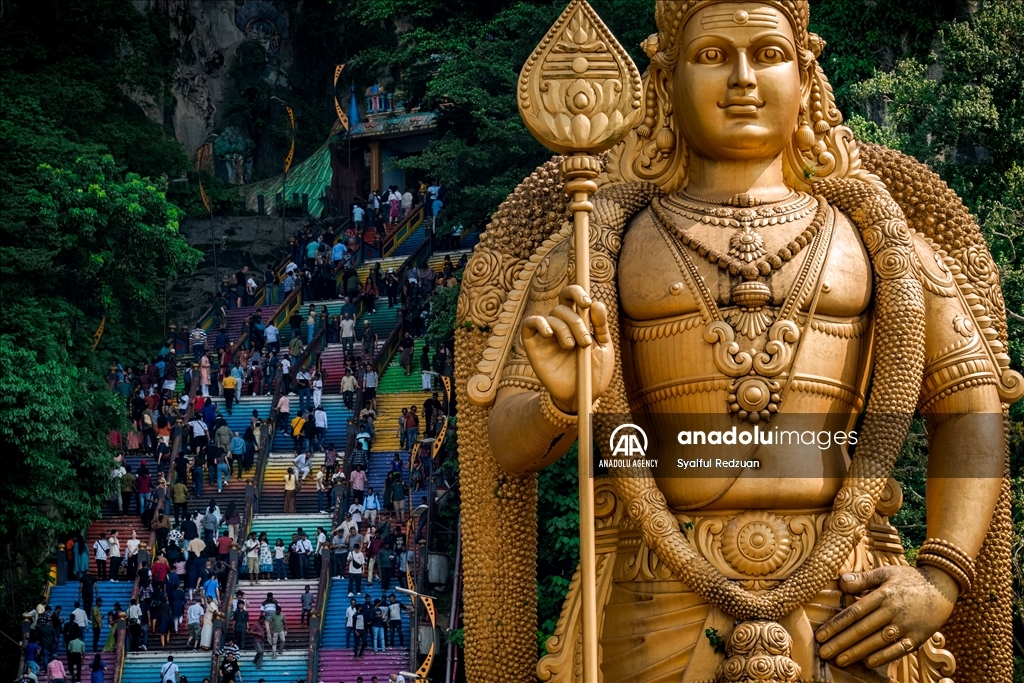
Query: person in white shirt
{"x": 356, "y": 510}
{"x": 303, "y": 464}
{"x": 79, "y": 616}
{"x": 252, "y": 558}
{"x": 250, "y": 290}
{"x": 348, "y": 333}
{"x": 102, "y": 548}
{"x": 356, "y": 559}
{"x": 200, "y": 434}
{"x": 320, "y": 420}
{"x": 194, "y": 617}
{"x": 114, "y": 553}
{"x": 318, "y": 389}
{"x": 406, "y": 203}
{"x": 169, "y": 671}
{"x": 350, "y": 623}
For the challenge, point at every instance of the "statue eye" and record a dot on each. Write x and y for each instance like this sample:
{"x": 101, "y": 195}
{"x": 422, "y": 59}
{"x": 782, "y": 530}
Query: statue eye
{"x": 712, "y": 55}
{"x": 771, "y": 55}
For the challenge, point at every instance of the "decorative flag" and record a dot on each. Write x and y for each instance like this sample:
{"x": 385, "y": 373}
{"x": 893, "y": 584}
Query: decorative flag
{"x": 199, "y": 173}
{"x": 337, "y": 107}
{"x": 98, "y": 334}
{"x": 291, "y": 150}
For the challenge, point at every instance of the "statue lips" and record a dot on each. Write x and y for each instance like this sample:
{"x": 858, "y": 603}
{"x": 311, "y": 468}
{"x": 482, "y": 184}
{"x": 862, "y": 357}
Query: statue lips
{"x": 741, "y": 106}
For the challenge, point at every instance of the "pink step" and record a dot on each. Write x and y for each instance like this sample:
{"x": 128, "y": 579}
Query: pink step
{"x": 340, "y": 665}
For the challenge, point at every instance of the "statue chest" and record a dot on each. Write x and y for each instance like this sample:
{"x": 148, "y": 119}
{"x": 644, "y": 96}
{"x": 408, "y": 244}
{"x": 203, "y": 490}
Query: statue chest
{"x": 805, "y": 352}
{"x": 652, "y": 285}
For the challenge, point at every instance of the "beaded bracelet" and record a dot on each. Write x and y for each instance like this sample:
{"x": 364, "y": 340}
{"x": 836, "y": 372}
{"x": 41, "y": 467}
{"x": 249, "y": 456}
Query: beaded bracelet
{"x": 951, "y": 559}
{"x": 554, "y": 414}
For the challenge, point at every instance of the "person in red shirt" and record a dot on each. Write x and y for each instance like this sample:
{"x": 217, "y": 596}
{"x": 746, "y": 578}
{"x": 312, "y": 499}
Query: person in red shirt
{"x": 224, "y": 546}
{"x": 160, "y": 569}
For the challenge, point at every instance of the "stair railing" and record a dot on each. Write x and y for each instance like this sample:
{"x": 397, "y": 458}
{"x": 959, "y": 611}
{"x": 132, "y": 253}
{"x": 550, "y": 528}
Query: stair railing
{"x": 324, "y": 585}
{"x": 405, "y": 230}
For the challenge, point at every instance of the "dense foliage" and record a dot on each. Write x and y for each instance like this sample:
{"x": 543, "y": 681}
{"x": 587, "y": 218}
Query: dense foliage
{"x": 87, "y": 236}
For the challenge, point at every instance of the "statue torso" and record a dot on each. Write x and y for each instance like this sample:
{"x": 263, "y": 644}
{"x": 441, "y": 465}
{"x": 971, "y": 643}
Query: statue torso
{"x": 670, "y": 369}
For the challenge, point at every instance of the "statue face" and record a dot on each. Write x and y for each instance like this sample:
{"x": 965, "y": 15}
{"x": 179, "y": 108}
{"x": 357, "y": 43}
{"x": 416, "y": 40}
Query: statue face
{"x": 736, "y": 92}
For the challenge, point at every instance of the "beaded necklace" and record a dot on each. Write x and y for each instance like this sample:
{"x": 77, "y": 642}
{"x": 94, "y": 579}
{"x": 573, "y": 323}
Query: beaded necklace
{"x": 746, "y": 256}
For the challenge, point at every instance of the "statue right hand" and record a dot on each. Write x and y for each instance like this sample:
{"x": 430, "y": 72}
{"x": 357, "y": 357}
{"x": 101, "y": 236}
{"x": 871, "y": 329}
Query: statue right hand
{"x": 551, "y": 342}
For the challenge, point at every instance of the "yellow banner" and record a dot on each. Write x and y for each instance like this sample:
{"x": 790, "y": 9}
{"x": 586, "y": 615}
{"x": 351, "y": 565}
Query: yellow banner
{"x": 98, "y": 334}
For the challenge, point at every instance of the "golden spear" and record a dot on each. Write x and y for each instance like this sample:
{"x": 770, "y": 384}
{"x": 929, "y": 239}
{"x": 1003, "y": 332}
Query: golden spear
{"x": 579, "y": 95}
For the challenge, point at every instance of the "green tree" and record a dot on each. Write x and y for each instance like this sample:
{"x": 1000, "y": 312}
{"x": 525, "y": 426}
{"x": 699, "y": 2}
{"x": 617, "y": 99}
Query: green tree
{"x": 96, "y": 246}
{"x": 558, "y": 539}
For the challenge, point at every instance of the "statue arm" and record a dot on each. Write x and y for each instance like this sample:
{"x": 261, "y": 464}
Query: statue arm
{"x": 960, "y": 401}
{"x": 904, "y": 606}
{"x": 523, "y": 438}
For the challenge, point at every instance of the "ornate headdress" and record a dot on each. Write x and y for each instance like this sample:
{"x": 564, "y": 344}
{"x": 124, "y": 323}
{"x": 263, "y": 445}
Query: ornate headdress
{"x": 655, "y": 151}
{"x": 672, "y": 15}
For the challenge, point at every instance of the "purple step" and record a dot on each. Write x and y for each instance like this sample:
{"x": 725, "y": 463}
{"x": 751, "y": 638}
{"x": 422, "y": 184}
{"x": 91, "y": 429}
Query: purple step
{"x": 340, "y": 665}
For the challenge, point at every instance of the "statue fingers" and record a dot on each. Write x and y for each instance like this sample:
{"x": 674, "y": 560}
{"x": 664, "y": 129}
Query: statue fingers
{"x": 574, "y": 294}
{"x": 579, "y": 328}
{"x": 599, "y": 319}
{"x": 870, "y": 645}
{"x": 562, "y": 333}
{"x": 848, "y": 617}
{"x": 534, "y": 325}
{"x": 854, "y": 584}
{"x": 890, "y": 654}
{"x": 855, "y": 633}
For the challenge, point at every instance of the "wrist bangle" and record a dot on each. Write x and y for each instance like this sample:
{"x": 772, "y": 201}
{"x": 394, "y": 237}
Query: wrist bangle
{"x": 951, "y": 559}
{"x": 554, "y": 414}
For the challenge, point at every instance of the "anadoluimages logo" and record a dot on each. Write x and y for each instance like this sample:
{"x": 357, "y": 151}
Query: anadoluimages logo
{"x": 627, "y": 445}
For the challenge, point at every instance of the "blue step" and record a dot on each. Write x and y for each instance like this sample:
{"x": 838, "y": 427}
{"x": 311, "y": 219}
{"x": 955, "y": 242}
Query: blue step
{"x": 411, "y": 243}
{"x": 287, "y": 667}
{"x": 380, "y": 465}
{"x": 337, "y": 419}
{"x": 333, "y": 627}
{"x": 144, "y": 667}
{"x": 65, "y": 596}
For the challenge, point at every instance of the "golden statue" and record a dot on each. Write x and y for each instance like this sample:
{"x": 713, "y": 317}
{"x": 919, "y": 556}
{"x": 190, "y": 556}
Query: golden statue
{"x": 750, "y": 267}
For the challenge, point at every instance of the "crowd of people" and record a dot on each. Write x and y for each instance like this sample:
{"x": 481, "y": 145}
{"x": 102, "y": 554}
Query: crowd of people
{"x": 182, "y": 578}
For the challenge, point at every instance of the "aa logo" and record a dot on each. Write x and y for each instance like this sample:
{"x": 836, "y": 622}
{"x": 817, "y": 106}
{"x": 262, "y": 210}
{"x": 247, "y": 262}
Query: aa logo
{"x": 625, "y": 442}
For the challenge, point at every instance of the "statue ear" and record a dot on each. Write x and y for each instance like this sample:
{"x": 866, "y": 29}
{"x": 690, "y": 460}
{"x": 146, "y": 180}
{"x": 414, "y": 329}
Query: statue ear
{"x": 663, "y": 87}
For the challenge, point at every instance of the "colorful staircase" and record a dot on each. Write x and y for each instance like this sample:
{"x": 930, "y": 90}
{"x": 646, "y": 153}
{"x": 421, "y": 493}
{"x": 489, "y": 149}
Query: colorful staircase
{"x": 272, "y": 496}
{"x": 394, "y": 379}
{"x": 288, "y": 595}
{"x": 280, "y": 526}
{"x": 144, "y": 667}
{"x": 65, "y": 596}
{"x": 287, "y": 667}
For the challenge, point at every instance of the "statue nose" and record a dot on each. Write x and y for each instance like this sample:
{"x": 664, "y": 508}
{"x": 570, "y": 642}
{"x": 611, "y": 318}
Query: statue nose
{"x": 742, "y": 75}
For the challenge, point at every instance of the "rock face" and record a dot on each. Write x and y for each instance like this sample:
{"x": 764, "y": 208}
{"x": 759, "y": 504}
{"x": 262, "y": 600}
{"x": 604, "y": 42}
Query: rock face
{"x": 252, "y": 241}
{"x": 218, "y": 43}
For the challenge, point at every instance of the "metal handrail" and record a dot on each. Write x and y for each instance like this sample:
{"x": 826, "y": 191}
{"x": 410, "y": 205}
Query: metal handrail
{"x": 404, "y": 230}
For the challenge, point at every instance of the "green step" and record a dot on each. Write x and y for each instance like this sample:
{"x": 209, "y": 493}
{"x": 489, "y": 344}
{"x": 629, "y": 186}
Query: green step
{"x": 395, "y": 380}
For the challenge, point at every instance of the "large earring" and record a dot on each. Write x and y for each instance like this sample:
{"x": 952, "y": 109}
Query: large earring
{"x": 805, "y": 137}
{"x": 666, "y": 140}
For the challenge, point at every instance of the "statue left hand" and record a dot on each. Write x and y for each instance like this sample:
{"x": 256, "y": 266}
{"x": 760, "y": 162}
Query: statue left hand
{"x": 904, "y": 608}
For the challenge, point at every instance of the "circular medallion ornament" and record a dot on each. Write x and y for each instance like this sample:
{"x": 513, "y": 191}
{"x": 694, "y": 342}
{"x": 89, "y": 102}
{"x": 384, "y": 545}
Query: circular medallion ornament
{"x": 756, "y": 543}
